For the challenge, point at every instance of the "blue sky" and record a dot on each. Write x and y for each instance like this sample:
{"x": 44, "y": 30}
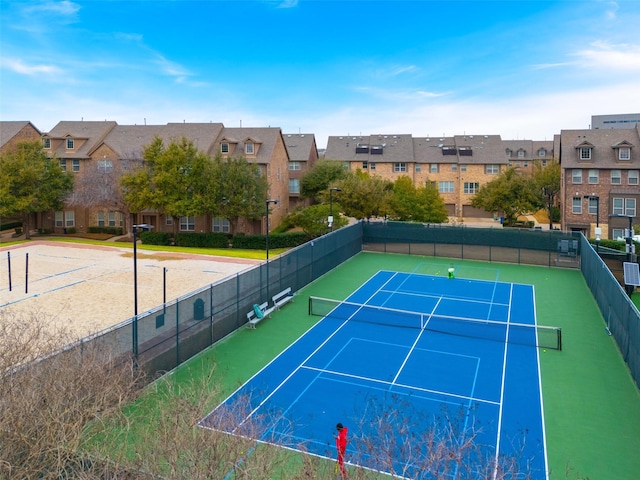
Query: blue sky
{"x": 520, "y": 69}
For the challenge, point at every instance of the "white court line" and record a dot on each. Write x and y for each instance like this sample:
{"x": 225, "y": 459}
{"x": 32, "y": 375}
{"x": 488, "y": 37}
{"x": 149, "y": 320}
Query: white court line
{"x": 444, "y": 297}
{"x": 392, "y": 384}
{"x": 504, "y": 374}
{"x": 406, "y": 358}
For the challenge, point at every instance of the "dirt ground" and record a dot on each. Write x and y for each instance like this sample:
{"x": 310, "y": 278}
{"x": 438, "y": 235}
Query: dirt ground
{"x": 88, "y": 288}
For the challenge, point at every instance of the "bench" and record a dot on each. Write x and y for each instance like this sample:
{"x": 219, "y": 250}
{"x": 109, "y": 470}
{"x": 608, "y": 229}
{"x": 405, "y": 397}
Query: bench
{"x": 254, "y": 318}
{"x": 282, "y": 298}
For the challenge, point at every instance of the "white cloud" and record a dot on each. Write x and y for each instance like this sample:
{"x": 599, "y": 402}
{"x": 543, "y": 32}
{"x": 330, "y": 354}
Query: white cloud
{"x": 602, "y": 54}
{"x": 18, "y": 66}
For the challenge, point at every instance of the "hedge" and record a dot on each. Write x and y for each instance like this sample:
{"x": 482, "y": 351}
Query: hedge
{"x": 155, "y": 238}
{"x": 203, "y": 240}
{"x": 109, "y": 230}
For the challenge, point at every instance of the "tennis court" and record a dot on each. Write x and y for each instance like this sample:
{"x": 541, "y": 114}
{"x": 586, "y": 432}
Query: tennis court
{"x": 407, "y": 361}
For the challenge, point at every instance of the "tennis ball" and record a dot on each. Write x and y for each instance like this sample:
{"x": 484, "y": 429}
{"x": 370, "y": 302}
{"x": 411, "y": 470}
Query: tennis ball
{"x": 544, "y": 351}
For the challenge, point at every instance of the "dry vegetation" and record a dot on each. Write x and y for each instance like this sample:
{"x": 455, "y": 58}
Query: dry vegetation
{"x": 83, "y": 415}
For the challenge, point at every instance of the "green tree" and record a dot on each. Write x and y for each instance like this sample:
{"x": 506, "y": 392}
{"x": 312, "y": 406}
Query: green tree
{"x": 510, "y": 193}
{"x": 318, "y": 179}
{"x": 173, "y": 180}
{"x": 238, "y": 189}
{"x": 31, "y": 183}
{"x": 422, "y": 204}
{"x": 313, "y": 219}
{"x": 547, "y": 180}
{"x": 364, "y": 196}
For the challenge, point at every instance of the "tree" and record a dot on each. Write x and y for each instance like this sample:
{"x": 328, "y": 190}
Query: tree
{"x": 364, "y": 196}
{"x": 510, "y": 193}
{"x": 238, "y": 190}
{"x": 313, "y": 219}
{"x": 422, "y": 204}
{"x": 318, "y": 179}
{"x": 174, "y": 180}
{"x": 548, "y": 183}
{"x": 31, "y": 183}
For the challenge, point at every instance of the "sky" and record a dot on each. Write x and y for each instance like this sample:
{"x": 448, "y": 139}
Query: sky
{"x": 520, "y": 69}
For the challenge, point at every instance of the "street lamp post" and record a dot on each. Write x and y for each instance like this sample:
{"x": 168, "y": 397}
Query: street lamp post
{"x": 267, "y": 202}
{"x": 598, "y": 232}
{"x": 331, "y": 190}
{"x": 142, "y": 226}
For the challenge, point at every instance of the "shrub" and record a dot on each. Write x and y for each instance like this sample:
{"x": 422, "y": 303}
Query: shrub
{"x": 155, "y": 238}
{"x": 109, "y": 230}
{"x": 203, "y": 240}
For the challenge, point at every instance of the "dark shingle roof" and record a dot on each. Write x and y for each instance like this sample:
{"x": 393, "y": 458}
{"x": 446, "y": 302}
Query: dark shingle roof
{"x": 299, "y": 146}
{"x": 8, "y": 130}
{"x": 603, "y": 153}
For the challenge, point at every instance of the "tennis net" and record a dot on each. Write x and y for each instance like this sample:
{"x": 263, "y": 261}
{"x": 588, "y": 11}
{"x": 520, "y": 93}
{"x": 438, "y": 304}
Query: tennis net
{"x": 508, "y": 332}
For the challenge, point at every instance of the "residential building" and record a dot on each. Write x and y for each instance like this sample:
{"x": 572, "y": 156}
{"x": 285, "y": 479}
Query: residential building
{"x": 458, "y": 165}
{"x": 99, "y": 152}
{"x": 303, "y": 154}
{"x": 12, "y": 133}
{"x": 600, "y": 180}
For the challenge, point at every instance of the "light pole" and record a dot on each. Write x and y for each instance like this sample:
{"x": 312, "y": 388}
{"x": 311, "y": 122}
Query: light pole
{"x": 142, "y": 226}
{"x": 331, "y": 190}
{"x": 275, "y": 202}
{"x": 598, "y": 232}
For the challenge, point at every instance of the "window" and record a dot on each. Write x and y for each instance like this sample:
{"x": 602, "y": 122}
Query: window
{"x": 526, "y": 164}
{"x": 618, "y": 233}
{"x": 463, "y": 168}
{"x": 221, "y": 225}
{"x": 105, "y": 166}
{"x": 399, "y": 167}
{"x": 63, "y": 164}
{"x": 576, "y": 175}
{"x": 168, "y": 220}
{"x": 294, "y": 166}
{"x": 418, "y": 168}
{"x": 365, "y": 165}
{"x": 187, "y": 224}
{"x": 585, "y": 153}
{"x": 632, "y": 178}
{"x": 544, "y": 163}
{"x": 624, "y": 153}
{"x": 508, "y": 152}
{"x": 520, "y": 153}
{"x": 454, "y": 167}
{"x": 69, "y": 219}
{"x": 618, "y": 204}
{"x": 433, "y": 168}
{"x": 59, "y": 219}
{"x": 593, "y": 176}
{"x": 491, "y": 169}
{"x": 224, "y": 147}
{"x": 294, "y": 185}
{"x": 445, "y": 187}
{"x": 345, "y": 165}
{"x": 46, "y": 143}
{"x": 112, "y": 219}
{"x": 630, "y": 207}
{"x": 616, "y": 177}
{"x": 593, "y": 206}
{"x": 542, "y": 152}
{"x": 576, "y": 205}
{"x": 372, "y": 166}
{"x": 249, "y": 148}
{"x": 70, "y": 144}
{"x": 75, "y": 165}
{"x": 471, "y": 187}
{"x": 101, "y": 218}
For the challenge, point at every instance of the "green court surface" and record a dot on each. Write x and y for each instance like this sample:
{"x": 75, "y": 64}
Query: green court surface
{"x": 591, "y": 404}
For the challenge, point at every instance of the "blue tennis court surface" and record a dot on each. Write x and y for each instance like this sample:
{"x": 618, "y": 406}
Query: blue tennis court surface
{"x": 430, "y": 375}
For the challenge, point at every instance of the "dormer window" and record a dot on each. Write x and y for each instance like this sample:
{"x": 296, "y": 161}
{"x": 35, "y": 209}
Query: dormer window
{"x": 224, "y": 147}
{"x": 508, "y": 152}
{"x": 70, "y": 144}
{"x": 585, "y": 153}
{"x": 521, "y": 153}
{"x": 249, "y": 148}
{"x": 542, "y": 152}
{"x": 624, "y": 153}
{"x": 46, "y": 143}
